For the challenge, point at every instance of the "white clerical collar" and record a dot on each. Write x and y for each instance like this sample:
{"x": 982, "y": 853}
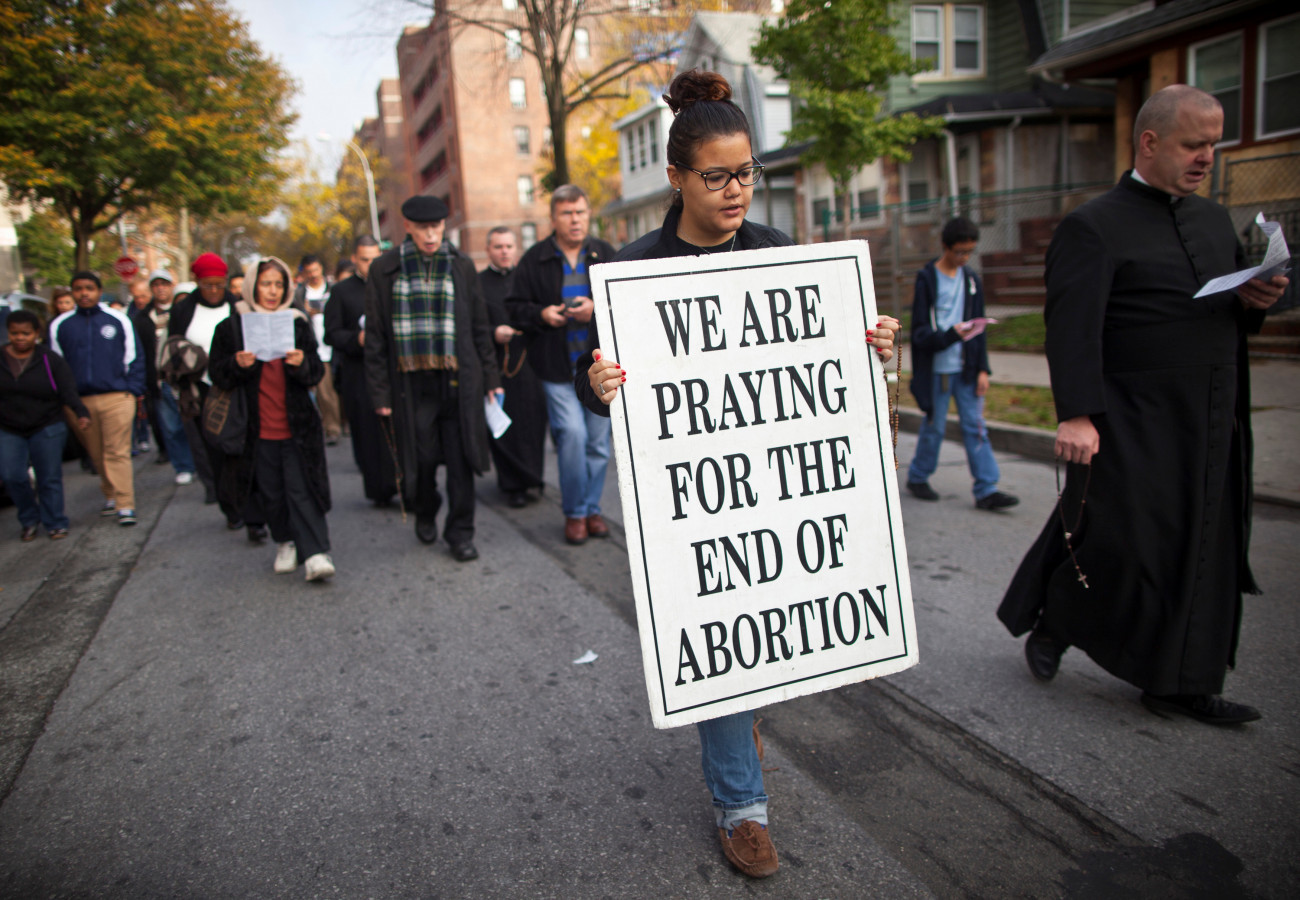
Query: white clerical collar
{"x": 498, "y": 269}
{"x": 1137, "y": 176}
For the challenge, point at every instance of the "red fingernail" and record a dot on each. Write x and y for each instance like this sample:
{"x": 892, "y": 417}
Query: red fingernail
{"x": 596, "y": 355}
{"x": 624, "y": 379}
{"x": 869, "y": 340}
{"x": 871, "y": 331}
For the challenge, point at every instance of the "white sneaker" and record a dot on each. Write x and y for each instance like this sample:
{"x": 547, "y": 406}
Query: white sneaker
{"x": 184, "y": 477}
{"x": 319, "y": 567}
{"x": 286, "y": 558}
{"x": 109, "y": 508}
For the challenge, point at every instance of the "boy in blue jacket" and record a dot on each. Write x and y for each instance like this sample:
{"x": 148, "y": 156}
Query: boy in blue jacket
{"x": 950, "y": 360}
{"x": 100, "y": 347}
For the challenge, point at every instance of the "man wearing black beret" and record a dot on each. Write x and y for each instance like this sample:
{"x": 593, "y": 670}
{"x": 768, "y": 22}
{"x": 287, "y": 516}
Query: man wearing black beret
{"x": 430, "y": 363}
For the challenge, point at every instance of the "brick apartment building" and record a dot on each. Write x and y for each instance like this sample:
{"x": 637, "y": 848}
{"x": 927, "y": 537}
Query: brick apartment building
{"x": 476, "y": 125}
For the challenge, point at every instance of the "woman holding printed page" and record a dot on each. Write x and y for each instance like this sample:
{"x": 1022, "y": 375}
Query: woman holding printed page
{"x": 713, "y": 171}
{"x": 284, "y": 445}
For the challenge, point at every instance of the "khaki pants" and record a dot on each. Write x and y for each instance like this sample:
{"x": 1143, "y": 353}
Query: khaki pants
{"x": 327, "y": 401}
{"x": 108, "y": 441}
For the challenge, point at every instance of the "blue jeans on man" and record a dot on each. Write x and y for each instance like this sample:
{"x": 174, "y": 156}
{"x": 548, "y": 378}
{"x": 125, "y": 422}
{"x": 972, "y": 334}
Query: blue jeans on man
{"x": 582, "y": 446}
{"x": 173, "y": 431}
{"x": 43, "y": 451}
{"x": 970, "y": 412}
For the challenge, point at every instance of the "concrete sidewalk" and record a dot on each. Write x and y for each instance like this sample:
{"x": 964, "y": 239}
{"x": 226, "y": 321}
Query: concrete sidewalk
{"x": 1275, "y": 405}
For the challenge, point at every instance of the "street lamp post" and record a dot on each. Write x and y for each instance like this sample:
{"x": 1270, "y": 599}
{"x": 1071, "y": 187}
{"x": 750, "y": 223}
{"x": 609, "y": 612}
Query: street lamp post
{"x": 370, "y": 181}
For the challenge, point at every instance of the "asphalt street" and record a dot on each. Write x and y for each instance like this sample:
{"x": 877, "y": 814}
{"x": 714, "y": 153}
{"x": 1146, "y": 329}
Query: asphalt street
{"x": 177, "y": 721}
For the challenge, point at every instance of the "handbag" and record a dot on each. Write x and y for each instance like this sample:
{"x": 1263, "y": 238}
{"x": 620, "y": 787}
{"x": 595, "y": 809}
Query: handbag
{"x": 225, "y": 420}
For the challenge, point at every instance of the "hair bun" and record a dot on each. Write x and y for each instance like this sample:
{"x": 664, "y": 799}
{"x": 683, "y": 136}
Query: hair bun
{"x": 693, "y": 86}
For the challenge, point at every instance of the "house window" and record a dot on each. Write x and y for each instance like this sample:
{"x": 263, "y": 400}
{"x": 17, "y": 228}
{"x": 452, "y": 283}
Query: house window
{"x": 821, "y": 212}
{"x": 518, "y": 93}
{"x": 950, "y": 37}
{"x": 920, "y": 183}
{"x": 630, "y": 153}
{"x": 527, "y": 234}
{"x": 1216, "y": 69}
{"x": 927, "y": 35}
{"x": 641, "y": 153}
{"x": 1279, "y": 77}
{"x": 514, "y": 44}
{"x": 522, "y": 146}
{"x": 868, "y": 204}
{"x": 653, "y": 126}
{"x": 581, "y": 43}
{"x": 525, "y": 185}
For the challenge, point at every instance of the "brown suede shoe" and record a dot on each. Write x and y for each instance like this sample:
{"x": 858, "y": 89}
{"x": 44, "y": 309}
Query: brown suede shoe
{"x": 596, "y": 527}
{"x": 750, "y": 849}
{"x": 575, "y": 531}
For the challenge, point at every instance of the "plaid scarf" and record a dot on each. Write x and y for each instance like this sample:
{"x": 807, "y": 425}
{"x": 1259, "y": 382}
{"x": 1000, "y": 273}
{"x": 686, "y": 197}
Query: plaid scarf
{"x": 424, "y": 311}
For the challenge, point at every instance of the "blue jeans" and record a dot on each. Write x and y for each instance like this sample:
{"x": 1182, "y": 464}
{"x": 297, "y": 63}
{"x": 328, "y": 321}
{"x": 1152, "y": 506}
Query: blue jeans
{"x": 970, "y": 411}
{"x": 173, "y": 431}
{"x": 732, "y": 770}
{"x": 582, "y": 442}
{"x": 44, "y": 450}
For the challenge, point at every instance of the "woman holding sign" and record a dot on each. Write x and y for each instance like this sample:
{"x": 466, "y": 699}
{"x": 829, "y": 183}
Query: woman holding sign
{"x": 713, "y": 172}
{"x": 284, "y": 442}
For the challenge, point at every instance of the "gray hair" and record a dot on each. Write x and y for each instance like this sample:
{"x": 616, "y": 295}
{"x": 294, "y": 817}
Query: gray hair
{"x": 1160, "y": 112}
{"x": 567, "y": 193}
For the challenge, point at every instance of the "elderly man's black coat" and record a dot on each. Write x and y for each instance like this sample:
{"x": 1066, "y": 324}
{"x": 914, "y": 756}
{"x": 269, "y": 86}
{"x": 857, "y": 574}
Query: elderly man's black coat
{"x": 475, "y": 356}
{"x": 1163, "y": 376}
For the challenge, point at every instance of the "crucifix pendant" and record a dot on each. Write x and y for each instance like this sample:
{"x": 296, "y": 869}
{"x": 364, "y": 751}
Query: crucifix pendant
{"x": 1084, "y": 580}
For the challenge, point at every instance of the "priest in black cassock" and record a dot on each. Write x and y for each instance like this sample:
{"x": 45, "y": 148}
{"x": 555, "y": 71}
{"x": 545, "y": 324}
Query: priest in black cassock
{"x": 345, "y": 332}
{"x": 519, "y": 453}
{"x": 1143, "y": 563}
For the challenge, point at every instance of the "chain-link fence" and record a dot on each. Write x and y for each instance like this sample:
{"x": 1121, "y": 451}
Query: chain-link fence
{"x": 1267, "y": 184}
{"x": 1015, "y": 229}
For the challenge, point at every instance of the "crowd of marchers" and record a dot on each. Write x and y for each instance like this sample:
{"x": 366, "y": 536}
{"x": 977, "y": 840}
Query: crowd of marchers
{"x": 1142, "y": 564}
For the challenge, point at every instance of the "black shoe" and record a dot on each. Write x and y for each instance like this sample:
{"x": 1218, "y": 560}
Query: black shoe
{"x": 29, "y": 533}
{"x": 463, "y": 552}
{"x": 997, "y": 500}
{"x": 1043, "y": 653}
{"x": 517, "y": 499}
{"x": 922, "y": 490}
{"x": 256, "y": 534}
{"x": 161, "y": 460}
{"x": 234, "y": 524}
{"x": 426, "y": 529}
{"x": 1209, "y": 708}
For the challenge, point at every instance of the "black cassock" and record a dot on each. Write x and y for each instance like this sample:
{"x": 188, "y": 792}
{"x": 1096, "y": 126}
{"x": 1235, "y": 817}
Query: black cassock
{"x": 370, "y": 450}
{"x": 519, "y": 453}
{"x": 1166, "y": 526}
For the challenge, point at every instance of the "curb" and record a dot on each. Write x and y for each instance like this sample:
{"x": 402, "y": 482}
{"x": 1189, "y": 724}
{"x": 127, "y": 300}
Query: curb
{"x": 1035, "y": 444}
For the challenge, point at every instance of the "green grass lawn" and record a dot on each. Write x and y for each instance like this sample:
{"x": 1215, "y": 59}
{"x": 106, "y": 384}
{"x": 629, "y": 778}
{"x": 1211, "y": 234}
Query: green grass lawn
{"x": 1019, "y": 404}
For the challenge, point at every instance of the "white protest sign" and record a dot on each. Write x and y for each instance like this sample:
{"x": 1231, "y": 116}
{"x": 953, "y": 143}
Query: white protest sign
{"x": 757, "y": 476}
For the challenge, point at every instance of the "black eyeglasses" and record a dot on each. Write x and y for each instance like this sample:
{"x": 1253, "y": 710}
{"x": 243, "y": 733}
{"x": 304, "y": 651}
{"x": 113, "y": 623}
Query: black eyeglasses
{"x": 716, "y": 181}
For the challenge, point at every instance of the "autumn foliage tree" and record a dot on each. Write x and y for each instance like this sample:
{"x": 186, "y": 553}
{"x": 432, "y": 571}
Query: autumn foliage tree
{"x": 838, "y": 58}
{"x": 118, "y": 106}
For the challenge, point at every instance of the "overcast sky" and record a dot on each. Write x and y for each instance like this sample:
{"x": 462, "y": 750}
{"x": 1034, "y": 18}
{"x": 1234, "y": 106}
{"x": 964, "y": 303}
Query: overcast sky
{"x": 337, "y": 51}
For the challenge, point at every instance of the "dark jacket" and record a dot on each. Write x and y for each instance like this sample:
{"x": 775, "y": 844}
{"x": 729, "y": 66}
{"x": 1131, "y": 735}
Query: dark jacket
{"x": 662, "y": 244}
{"x": 35, "y": 399}
{"x": 304, "y": 420}
{"x": 343, "y": 311}
{"x": 100, "y": 347}
{"x": 475, "y": 355}
{"x": 147, "y": 334}
{"x": 538, "y": 280}
{"x": 928, "y": 340}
